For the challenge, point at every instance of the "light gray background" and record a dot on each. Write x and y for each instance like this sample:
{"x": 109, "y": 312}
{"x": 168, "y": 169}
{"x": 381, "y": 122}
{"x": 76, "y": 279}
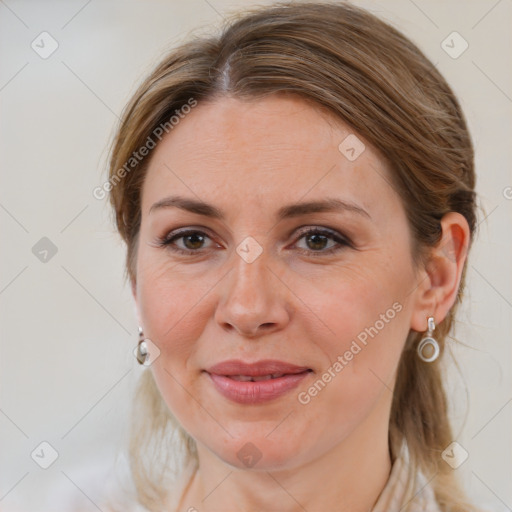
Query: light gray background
{"x": 68, "y": 325}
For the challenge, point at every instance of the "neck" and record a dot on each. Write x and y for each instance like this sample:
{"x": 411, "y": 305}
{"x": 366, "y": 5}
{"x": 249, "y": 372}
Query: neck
{"x": 350, "y": 477}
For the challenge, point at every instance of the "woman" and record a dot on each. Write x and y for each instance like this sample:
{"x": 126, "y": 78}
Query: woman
{"x": 297, "y": 199}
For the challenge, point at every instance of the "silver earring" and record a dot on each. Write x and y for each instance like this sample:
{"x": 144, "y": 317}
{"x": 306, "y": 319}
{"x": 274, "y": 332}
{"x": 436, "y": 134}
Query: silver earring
{"x": 142, "y": 348}
{"x": 429, "y": 340}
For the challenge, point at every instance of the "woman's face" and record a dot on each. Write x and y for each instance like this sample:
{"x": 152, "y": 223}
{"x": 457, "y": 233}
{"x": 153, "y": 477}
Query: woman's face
{"x": 330, "y": 310}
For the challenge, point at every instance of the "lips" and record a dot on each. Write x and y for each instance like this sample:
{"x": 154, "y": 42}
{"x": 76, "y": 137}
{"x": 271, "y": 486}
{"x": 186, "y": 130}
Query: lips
{"x": 252, "y": 383}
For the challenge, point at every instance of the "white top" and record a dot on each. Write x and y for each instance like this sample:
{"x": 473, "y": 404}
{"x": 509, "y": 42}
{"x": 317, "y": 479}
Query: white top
{"x": 395, "y": 496}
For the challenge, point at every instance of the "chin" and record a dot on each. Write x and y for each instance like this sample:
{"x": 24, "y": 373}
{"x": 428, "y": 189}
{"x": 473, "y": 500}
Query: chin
{"x": 259, "y": 453}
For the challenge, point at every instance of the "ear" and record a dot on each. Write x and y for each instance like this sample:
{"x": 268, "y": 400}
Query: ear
{"x": 438, "y": 283}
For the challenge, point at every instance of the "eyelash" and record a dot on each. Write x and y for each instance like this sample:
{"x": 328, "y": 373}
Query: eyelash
{"x": 342, "y": 241}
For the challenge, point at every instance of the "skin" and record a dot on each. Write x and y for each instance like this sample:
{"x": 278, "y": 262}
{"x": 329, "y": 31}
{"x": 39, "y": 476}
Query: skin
{"x": 292, "y": 303}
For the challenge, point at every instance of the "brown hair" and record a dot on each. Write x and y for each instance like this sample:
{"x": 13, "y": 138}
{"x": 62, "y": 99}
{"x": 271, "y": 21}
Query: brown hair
{"x": 346, "y": 60}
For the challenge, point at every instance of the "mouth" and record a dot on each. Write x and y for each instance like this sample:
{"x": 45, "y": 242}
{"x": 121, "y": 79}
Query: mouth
{"x": 254, "y": 383}
{"x": 248, "y": 378}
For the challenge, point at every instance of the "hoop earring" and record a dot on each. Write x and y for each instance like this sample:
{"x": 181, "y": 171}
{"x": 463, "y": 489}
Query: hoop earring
{"x": 429, "y": 340}
{"x": 142, "y": 348}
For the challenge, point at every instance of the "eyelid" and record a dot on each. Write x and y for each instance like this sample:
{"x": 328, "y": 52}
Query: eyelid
{"x": 340, "y": 239}
{"x": 322, "y": 230}
{"x": 168, "y": 239}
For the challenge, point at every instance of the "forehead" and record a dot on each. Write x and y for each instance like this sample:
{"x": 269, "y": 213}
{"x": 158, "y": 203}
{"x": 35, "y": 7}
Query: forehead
{"x": 265, "y": 152}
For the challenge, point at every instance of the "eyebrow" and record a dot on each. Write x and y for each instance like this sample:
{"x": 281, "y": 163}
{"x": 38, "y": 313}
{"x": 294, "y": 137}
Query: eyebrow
{"x": 330, "y": 204}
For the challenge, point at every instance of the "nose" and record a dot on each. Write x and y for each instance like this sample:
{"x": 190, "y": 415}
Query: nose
{"x": 254, "y": 300}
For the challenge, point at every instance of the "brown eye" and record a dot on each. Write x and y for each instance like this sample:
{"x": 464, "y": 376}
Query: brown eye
{"x": 317, "y": 240}
{"x": 192, "y": 241}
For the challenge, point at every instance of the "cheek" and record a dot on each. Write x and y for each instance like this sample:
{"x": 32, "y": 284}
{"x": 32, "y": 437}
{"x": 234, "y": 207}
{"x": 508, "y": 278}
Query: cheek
{"x": 174, "y": 315}
{"x": 170, "y": 304}
{"x": 360, "y": 360}
{"x": 360, "y": 328}
{"x": 175, "y": 308}
{"x": 362, "y": 302}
